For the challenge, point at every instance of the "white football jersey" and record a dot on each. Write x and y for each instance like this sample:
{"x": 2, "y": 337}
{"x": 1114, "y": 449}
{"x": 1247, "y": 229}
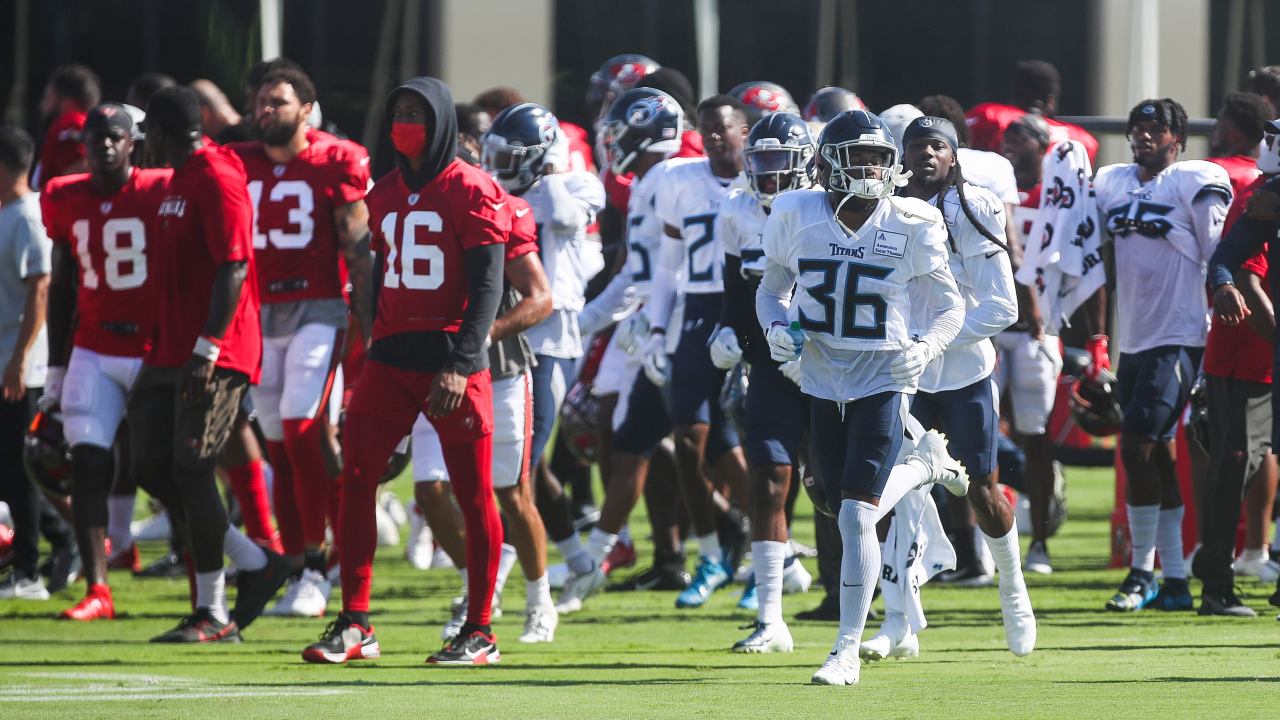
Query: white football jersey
{"x": 644, "y": 231}
{"x": 1164, "y": 232}
{"x": 740, "y": 227}
{"x": 851, "y": 293}
{"x": 688, "y": 197}
{"x": 989, "y": 170}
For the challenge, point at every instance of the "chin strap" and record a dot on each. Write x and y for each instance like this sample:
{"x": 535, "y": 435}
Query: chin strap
{"x": 894, "y": 179}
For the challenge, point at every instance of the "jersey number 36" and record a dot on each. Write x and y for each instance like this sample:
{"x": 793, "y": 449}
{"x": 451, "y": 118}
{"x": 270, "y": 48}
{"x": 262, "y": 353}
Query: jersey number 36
{"x": 871, "y": 306}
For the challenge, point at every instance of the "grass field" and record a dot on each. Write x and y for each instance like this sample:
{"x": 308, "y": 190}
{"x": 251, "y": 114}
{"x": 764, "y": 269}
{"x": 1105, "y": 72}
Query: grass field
{"x": 633, "y": 655}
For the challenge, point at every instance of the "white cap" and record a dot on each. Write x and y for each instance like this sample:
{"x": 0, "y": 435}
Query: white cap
{"x": 897, "y": 118}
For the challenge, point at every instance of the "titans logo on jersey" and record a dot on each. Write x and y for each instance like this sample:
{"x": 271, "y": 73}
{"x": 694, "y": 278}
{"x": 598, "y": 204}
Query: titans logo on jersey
{"x": 1141, "y": 216}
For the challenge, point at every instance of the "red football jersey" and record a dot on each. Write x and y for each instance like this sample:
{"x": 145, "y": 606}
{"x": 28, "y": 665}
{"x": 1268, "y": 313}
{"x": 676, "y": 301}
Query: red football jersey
{"x": 295, "y": 243}
{"x": 112, "y": 237}
{"x": 63, "y": 145}
{"x": 1243, "y": 171}
{"x": 206, "y": 219}
{"x": 580, "y": 154}
{"x": 524, "y": 231}
{"x": 424, "y": 234}
{"x": 987, "y": 123}
{"x": 1236, "y": 351}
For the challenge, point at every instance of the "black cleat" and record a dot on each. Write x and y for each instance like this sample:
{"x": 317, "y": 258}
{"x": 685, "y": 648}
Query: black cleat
{"x": 255, "y": 588}
{"x": 343, "y": 640}
{"x": 200, "y": 626}
{"x": 734, "y": 529}
{"x": 827, "y": 611}
{"x": 61, "y": 569}
{"x": 1223, "y": 601}
{"x": 169, "y": 566}
{"x": 477, "y": 648}
{"x": 658, "y": 577}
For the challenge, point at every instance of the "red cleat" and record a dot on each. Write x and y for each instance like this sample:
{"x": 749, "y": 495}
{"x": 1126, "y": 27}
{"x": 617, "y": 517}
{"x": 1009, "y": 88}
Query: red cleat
{"x": 622, "y": 556}
{"x": 96, "y": 605}
{"x": 125, "y": 559}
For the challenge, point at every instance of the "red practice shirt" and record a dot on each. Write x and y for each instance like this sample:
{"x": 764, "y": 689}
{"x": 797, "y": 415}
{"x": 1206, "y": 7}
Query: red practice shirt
{"x": 295, "y": 243}
{"x": 113, "y": 240}
{"x": 424, "y": 235}
{"x": 1243, "y": 171}
{"x": 206, "y": 219}
{"x": 1236, "y": 351}
{"x": 524, "y": 231}
{"x": 988, "y": 121}
{"x": 63, "y": 145}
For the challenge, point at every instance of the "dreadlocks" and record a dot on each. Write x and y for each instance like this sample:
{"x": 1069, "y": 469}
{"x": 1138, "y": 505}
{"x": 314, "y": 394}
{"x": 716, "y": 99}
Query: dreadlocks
{"x": 1164, "y": 111}
{"x": 955, "y": 178}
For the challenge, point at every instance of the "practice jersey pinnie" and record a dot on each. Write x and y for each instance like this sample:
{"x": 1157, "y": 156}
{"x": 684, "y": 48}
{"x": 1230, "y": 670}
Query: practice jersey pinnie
{"x": 1164, "y": 232}
{"x": 688, "y": 198}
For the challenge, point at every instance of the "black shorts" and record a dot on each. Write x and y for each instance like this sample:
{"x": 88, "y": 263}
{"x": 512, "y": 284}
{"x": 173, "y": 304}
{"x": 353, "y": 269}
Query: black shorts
{"x": 162, "y": 425}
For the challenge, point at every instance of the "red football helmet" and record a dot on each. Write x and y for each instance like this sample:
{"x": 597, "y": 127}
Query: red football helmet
{"x": 764, "y": 98}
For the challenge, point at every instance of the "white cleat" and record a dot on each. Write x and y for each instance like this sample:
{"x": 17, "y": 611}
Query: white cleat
{"x": 391, "y": 503}
{"x": 440, "y": 560}
{"x": 943, "y": 469}
{"x": 540, "y": 624}
{"x": 388, "y": 531}
{"x": 455, "y": 623}
{"x": 766, "y": 638}
{"x": 882, "y": 646}
{"x": 579, "y": 588}
{"x": 1019, "y": 619}
{"x": 155, "y": 527}
{"x": 308, "y": 596}
{"x": 1258, "y": 564}
{"x": 19, "y": 586}
{"x": 420, "y": 551}
{"x": 795, "y": 579}
{"x": 842, "y": 666}
{"x": 558, "y": 575}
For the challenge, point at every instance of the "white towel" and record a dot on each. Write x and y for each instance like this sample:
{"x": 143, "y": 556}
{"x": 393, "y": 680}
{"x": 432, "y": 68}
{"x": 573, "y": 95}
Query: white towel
{"x": 915, "y": 550}
{"x": 1063, "y": 258}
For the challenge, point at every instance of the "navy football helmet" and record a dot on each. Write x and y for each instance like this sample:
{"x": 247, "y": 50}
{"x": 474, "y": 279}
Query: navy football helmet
{"x": 513, "y": 149}
{"x": 778, "y": 156}
{"x": 830, "y": 102}
{"x": 640, "y": 120}
{"x": 764, "y": 98}
{"x": 842, "y": 167}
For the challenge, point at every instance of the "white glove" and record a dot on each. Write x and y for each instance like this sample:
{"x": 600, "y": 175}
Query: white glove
{"x": 655, "y": 360}
{"x": 791, "y": 369}
{"x": 725, "y": 351}
{"x": 910, "y": 365}
{"x": 782, "y": 347}
{"x": 53, "y": 384}
{"x": 631, "y": 333}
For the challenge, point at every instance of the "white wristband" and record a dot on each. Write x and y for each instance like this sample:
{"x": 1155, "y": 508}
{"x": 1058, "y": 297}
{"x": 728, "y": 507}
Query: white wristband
{"x": 206, "y": 348}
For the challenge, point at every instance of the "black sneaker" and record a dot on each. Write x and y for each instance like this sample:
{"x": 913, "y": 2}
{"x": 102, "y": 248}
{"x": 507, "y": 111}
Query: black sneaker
{"x": 200, "y": 626}
{"x": 61, "y": 569}
{"x": 734, "y": 529}
{"x": 1223, "y": 601}
{"x": 169, "y": 566}
{"x": 477, "y": 648}
{"x": 343, "y": 640}
{"x": 658, "y": 577}
{"x": 255, "y": 588}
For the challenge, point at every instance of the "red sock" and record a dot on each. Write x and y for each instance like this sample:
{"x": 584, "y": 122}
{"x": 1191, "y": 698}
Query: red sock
{"x": 249, "y": 483}
{"x": 310, "y": 475}
{"x": 287, "y": 516}
{"x": 470, "y": 468}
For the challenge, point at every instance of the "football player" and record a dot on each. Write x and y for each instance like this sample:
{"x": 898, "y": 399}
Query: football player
{"x": 439, "y": 228}
{"x": 1037, "y": 87}
{"x": 856, "y": 258}
{"x": 71, "y": 91}
{"x": 1164, "y": 218}
{"x": 761, "y": 99}
{"x": 309, "y": 221}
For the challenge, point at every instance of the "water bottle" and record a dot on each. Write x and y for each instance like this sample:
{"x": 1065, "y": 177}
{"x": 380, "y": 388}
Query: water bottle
{"x": 797, "y": 335}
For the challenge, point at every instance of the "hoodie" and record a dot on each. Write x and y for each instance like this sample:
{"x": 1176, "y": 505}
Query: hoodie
{"x": 442, "y": 146}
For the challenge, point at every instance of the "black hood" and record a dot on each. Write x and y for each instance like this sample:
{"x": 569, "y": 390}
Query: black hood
{"x": 442, "y": 146}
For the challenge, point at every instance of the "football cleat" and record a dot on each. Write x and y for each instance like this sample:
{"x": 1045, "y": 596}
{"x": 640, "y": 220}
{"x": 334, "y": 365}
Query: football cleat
{"x": 476, "y": 648}
{"x": 942, "y": 469}
{"x": 127, "y": 559}
{"x": 1256, "y": 563}
{"x": 799, "y": 549}
{"x": 440, "y": 560}
{"x": 795, "y": 578}
{"x": 1138, "y": 589}
{"x": 971, "y": 576}
{"x": 882, "y": 646}
{"x": 388, "y": 530}
{"x": 341, "y": 641}
{"x": 96, "y": 605}
{"x": 155, "y": 527}
{"x": 842, "y": 666}
{"x": 1038, "y": 559}
{"x": 200, "y": 626}
{"x": 1223, "y": 601}
{"x": 558, "y": 575}
{"x": 540, "y": 624}
{"x": 765, "y": 638}
{"x": 579, "y": 588}
{"x": 750, "y": 597}
{"x": 255, "y": 588}
{"x": 1174, "y": 595}
{"x": 420, "y": 550}
{"x": 62, "y": 568}
{"x": 168, "y": 566}
{"x": 459, "y": 618}
{"x": 622, "y": 556}
{"x": 827, "y": 611}
{"x": 391, "y": 503}
{"x": 1019, "y": 619}
{"x": 304, "y": 596}
{"x": 658, "y": 577}
{"x": 19, "y": 585}
{"x": 710, "y": 576}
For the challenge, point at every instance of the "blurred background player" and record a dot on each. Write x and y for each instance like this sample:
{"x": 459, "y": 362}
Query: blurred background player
{"x": 71, "y": 91}
{"x": 1037, "y": 86}
{"x": 760, "y": 99}
{"x": 216, "y": 112}
{"x": 830, "y": 102}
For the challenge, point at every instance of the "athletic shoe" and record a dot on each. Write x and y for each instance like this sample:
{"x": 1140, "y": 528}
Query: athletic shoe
{"x": 1019, "y": 619}
{"x": 1174, "y": 595}
{"x": 96, "y": 605}
{"x": 476, "y": 648}
{"x": 341, "y": 641}
{"x": 579, "y": 588}
{"x": 943, "y": 469}
{"x": 391, "y": 503}
{"x": 440, "y": 560}
{"x": 255, "y": 588}
{"x": 1038, "y": 559}
{"x": 710, "y": 576}
{"x": 455, "y": 623}
{"x": 969, "y": 576}
{"x": 558, "y": 575}
{"x": 765, "y": 638}
{"x": 1256, "y": 563}
{"x": 155, "y": 527}
{"x": 795, "y": 578}
{"x": 305, "y": 596}
{"x": 169, "y": 566}
{"x": 827, "y": 611}
{"x": 388, "y": 530}
{"x": 420, "y": 549}
{"x": 284, "y": 605}
{"x": 1223, "y": 601}
{"x": 750, "y": 597}
{"x": 200, "y": 626}
{"x": 459, "y": 604}
{"x": 801, "y": 550}
{"x": 734, "y": 529}
{"x": 621, "y": 556}
{"x": 62, "y": 568}
{"x": 585, "y": 517}
{"x": 658, "y": 577}
{"x": 19, "y": 585}
{"x": 1138, "y": 589}
{"x": 540, "y": 623}
{"x": 883, "y": 646}
{"x": 127, "y": 559}
{"x": 842, "y": 666}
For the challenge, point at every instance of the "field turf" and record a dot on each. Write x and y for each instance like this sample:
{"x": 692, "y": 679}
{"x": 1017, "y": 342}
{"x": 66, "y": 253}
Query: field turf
{"x": 633, "y": 655}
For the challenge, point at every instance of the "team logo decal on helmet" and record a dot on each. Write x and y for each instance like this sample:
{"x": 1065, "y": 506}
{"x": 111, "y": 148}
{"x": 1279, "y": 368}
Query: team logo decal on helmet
{"x": 641, "y": 120}
{"x": 515, "y": 147}
{"x": 643, "y": 111}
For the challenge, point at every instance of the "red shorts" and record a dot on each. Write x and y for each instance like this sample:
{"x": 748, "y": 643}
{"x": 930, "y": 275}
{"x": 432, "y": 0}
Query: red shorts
{"x": 399, "y": 395}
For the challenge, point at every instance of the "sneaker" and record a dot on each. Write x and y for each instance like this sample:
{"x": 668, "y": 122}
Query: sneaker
{"x": 765, "y": 638}
{"x": 622, "y": 556}
{"x": 169, "y": 566}
{"x": 750, "y": 600}
{"x": 558, "y": 575}
{"x": 127, "y": 559}
{"x": 477, "y": 648}
{"x": 944, "y": 470}
{"x": 420, "y": 550}
{"x": 579, "y": 588}
{"x": 1256, "y": 563}
{"x": 883, "y": 646}
{"x": 19, "y": 585}
{"x": 305, "y": 596}
{"x": 842, "y": 666}
{"x": 801, "y": 550}
{"x": 200, "y": 626}
{"x": 1223, "y": 601}
{"x": 969, "y": 576}
{"x": 540, "y": 623}
{"x": 1138, "y": 589}
{"x": 155, "y": 527}
{"x": 284, "y": 605}
{"x": 388, "y": 530}
{"x": 62, "y": 568}
{"x": 1038, "y": 559}
{"x": 255, "y": 588}
{"x": 391, "y": 503}
{"x": 341, "y": 641}
{"x": 585, "y": 517}
{"x": 658, "y": 577}
{"x": 710, "y": 576}
{"x": 795, "y": 578}
{"x": 827, "y": 611}
{"x": 1019, "y": 618}
{"x": 1174, "y": 595}
{"x": 96, "y": 605}
{"x": 440, "y": 560}
{"x": 458, "y": 619}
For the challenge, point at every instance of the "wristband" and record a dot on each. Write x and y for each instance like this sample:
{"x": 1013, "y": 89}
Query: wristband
{"x": 207, "y": 348}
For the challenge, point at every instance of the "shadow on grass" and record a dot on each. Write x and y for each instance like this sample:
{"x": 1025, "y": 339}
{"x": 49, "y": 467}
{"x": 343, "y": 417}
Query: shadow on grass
{"x": 1175, "y": 680}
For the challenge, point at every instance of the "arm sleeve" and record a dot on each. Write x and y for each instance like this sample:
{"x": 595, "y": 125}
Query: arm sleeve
{"x": 50, "y": 216}
{"x": 1247, "y": 237}
{"x": 662, "y": 294}
{"x": 33, "y": 251}
{"x": 993, "y": 288}
{"x": 573, "y": 208}
{"x": 1257, "y": 264}
{"x": 946, "y": 308}
{"x": 484, "y": 273}
{"x": 773, "y": 297}
{"x": 614, "y": 303}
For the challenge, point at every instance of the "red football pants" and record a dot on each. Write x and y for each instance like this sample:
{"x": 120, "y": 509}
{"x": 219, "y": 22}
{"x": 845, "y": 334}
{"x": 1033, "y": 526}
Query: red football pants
{"x": 383, "y": 408}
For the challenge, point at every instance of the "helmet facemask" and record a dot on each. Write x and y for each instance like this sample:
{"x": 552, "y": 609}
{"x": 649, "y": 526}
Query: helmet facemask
{"x": 1269, "y": 158}
{"x": 853, "y": 177}
{"x": 773, "y": 168}
{"x": 513, "y": 165}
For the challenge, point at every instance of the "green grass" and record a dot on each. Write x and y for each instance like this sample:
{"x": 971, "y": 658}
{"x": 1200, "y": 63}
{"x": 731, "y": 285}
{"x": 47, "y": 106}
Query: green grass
{"x": 632, "y": 655}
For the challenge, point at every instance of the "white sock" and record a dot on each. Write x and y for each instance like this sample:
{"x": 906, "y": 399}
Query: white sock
{"x": 787, "y": 551}
{"x": 624, "y": 535}
{"x": 1004, "y": 550}
{"x": 858, "y": 568}
{"x": 575, "y": 555}
{"x": 119, "y": 515}
{"x": 245, "y": 553}
{"x": 211, "y": 592}
{"x": 1143, "y": 521}
{"x": 462, "y": 574}
{"x": 1169, "y": 543}
{"x": 600, "y": 544}
{"x": 768, "y": 557}
{"x": 709, "y": 546}
{"x": 537, "y": 592}
{"x": 506, "y": 561}
{"x": 903, "y": 479}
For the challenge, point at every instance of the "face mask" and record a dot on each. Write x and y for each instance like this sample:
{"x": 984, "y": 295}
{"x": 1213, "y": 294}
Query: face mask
{"x": 409, "y": 139}
{"x": 1269, "y": 159}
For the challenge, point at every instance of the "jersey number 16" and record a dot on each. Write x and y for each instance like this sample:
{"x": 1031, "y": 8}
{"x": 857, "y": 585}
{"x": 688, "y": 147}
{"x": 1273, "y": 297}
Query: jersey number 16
{"x": 411, "y": 251}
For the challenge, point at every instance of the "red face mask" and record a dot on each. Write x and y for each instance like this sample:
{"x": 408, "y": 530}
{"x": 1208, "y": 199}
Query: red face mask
{"x": 409, "y": 138}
